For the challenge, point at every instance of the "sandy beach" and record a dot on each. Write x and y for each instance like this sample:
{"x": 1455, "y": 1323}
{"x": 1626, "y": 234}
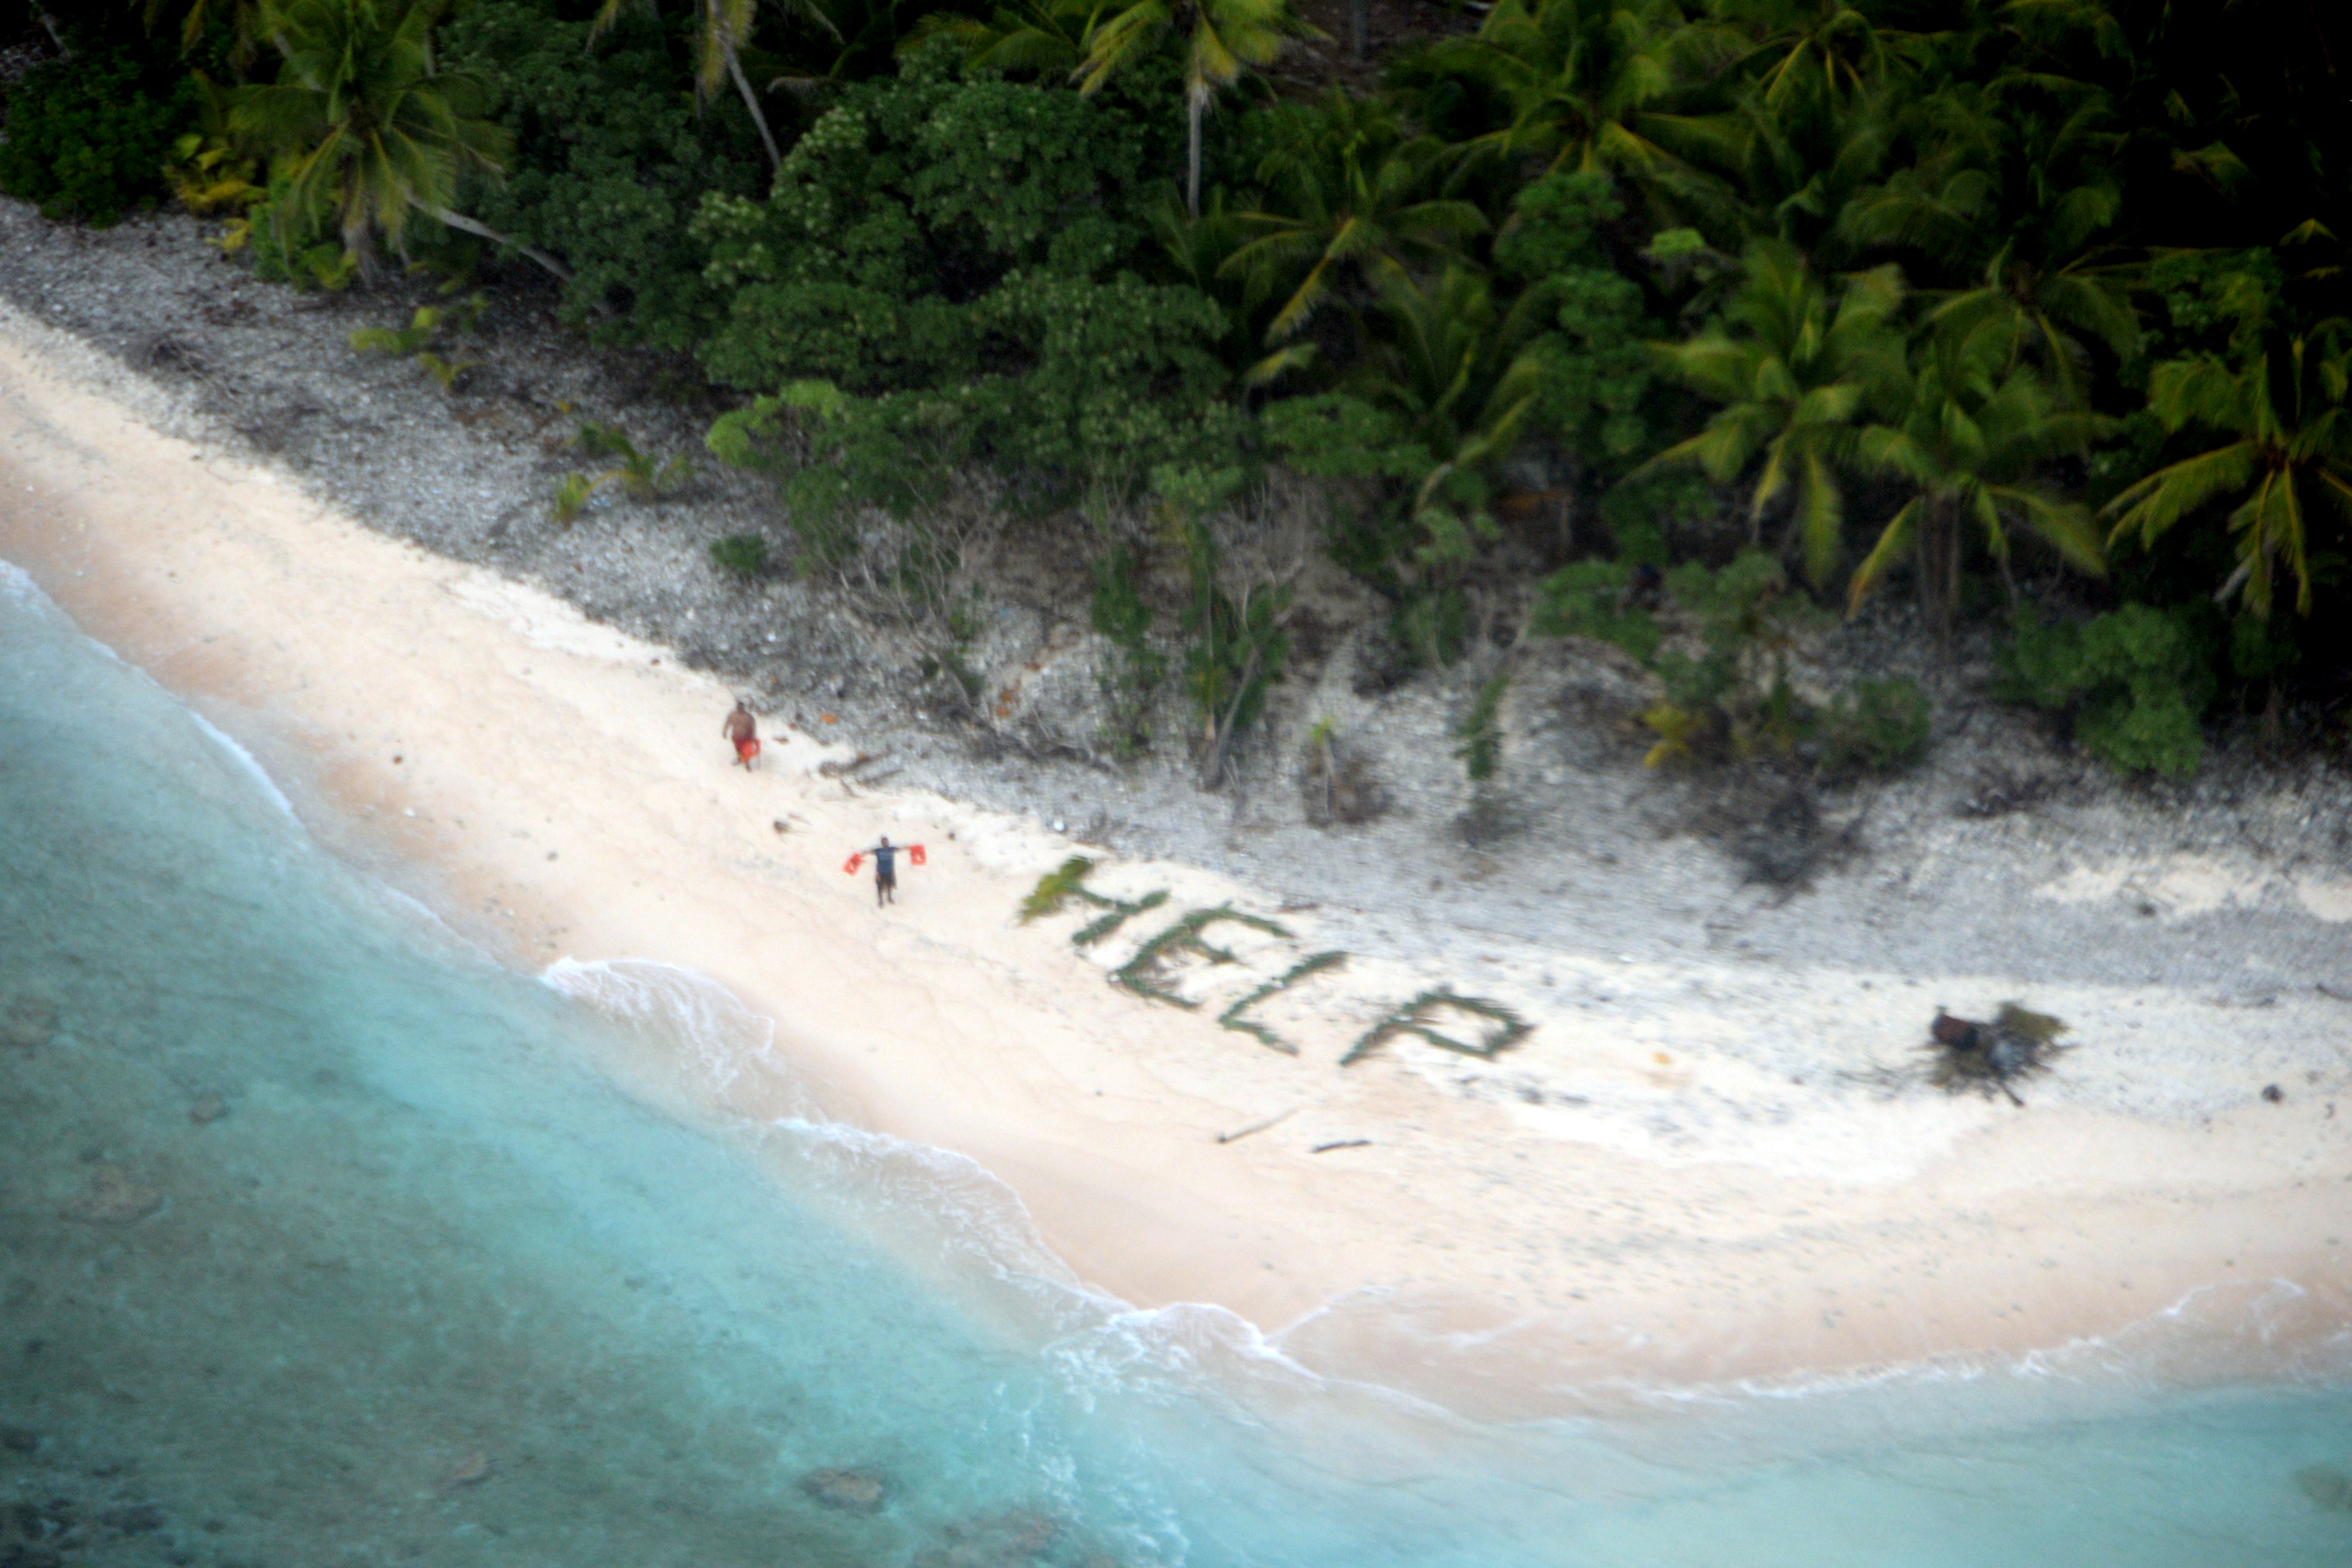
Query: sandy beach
{"x": 1690, "y": 1171}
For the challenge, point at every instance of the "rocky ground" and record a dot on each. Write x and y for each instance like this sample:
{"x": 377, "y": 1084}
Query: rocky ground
{"x": 2005, "y": 853}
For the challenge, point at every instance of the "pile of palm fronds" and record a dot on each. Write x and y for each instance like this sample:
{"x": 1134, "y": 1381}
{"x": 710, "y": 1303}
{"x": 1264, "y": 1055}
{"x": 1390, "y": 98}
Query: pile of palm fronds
{"x": 1989, "y": 1058}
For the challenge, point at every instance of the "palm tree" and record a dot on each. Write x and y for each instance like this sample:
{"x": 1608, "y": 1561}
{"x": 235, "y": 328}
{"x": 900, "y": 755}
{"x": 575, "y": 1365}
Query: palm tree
{"x": 2016, "y": 200}
{"x": 1450, "y": 367}
{"x": 1815, "y": 52}
{"x": 1225, "y": 39}
{"x": 1582, "y": 79}
{"x": 722, "y": 28}
{"x": 1031, "y": 36}
{"x": 1348, "y": 193}
{"x": 1781, "y": 175}
{"x": 1977, "y": 428}
{"x": 1793, "y": 376}
{"x": 245, "y": 26}
{"x": 373, "y": 131}
{"x": 2293, "y": 448}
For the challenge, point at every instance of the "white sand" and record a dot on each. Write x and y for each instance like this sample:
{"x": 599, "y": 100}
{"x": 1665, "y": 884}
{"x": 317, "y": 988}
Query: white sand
{"x": 1686, "y": 1172}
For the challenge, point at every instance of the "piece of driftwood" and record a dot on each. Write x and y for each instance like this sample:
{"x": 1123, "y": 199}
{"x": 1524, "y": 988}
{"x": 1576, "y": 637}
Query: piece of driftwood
{"x": 1237, "y": 1134}
{"x": 841, "y": 770}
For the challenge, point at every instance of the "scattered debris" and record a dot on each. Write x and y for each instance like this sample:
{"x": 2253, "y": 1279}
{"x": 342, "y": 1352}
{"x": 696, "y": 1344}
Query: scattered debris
{"x": 851, "y": 1491}
{"x": 2327, "y": 990}
{"x": 1232, "y": 1016}
{"x": 1989, "y": 1056}
{"x": 1241, "y": 1133}
{"x": 1418, "y": 1017}
{"x": 207, "y": 1109}
{"x": 2273, "y": 1093}
{"x": 1341, "y": 1143}
{"x": 1998, "y": 791}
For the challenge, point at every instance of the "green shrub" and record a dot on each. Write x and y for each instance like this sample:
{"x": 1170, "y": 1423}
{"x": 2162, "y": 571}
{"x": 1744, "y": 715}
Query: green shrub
{"x": 948, "y": 272}
{"x": 1587, "y": 599}
{"x": 742, "y": 557}
{"x": 1880, "y": 726}
{"x": 2133, "y": 682}
{"x": 1747, "y": 619}
{"x": 88, "y": 140}
{"x": 1592, "y": 359}
{"x": 609, "y": 161}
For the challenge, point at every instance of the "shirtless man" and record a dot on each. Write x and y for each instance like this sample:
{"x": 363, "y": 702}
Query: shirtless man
{"x": 744, "y": 730}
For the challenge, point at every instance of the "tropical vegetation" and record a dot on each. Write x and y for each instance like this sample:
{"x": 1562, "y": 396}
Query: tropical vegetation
{"x": 2037, "y": 310}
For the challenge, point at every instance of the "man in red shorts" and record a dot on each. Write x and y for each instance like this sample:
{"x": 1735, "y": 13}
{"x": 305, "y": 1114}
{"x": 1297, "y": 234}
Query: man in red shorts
{"x": 744, "y": 730}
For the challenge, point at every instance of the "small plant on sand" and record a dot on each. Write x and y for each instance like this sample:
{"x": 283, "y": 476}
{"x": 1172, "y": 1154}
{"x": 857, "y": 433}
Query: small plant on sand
{"x": 1336, "y": 779}
{"x": 640, "y": 474}
{"x": 1503, "y": 1028}
{"x": 422, "y": 328}
{"x": 1677, "y": 729}
{"x": 1148, "y": 973}
{"x": 1480, "y": 731}
{"x": 210, "y": 179}
{"x": 572, "y": 496}
{"x": 414, "y": 342}
{"x": 1880, "y": 726}
{"x": 742, "y": 557}
{"x": 1232, "y": 1016}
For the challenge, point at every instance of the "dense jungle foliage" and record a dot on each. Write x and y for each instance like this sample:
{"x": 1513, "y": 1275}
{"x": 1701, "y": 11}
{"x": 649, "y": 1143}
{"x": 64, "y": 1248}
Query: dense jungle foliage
{"x": 1733, "y": 312}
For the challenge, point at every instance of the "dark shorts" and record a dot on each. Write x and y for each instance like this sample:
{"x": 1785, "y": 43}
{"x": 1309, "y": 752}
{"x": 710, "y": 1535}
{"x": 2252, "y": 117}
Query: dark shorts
{"x": 885, "y": 878}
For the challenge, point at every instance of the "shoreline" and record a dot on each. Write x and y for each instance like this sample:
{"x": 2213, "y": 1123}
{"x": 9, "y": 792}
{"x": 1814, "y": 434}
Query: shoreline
{"x": 550, "y": 787}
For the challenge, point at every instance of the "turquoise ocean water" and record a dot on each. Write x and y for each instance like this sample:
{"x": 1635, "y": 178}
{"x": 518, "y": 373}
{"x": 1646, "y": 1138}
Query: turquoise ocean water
{"x": 325, "y": 1241}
